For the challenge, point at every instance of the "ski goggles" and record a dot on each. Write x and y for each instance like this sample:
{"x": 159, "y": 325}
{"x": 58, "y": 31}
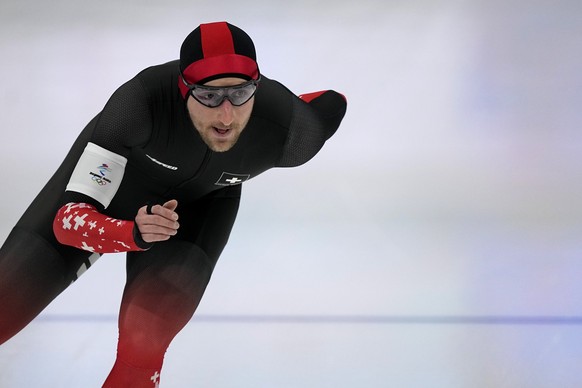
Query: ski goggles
{"x": 213, "y": 96}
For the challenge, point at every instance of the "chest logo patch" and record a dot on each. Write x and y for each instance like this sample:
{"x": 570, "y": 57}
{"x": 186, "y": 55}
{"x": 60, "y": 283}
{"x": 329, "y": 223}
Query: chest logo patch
{"x": 229, "y": 179}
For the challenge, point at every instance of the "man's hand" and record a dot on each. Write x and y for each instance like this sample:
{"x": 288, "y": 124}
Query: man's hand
{"x": 158, "y": 222}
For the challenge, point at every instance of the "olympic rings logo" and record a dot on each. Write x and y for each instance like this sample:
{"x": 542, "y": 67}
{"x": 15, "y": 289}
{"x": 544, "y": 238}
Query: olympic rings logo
{"x": 100, "y": 180}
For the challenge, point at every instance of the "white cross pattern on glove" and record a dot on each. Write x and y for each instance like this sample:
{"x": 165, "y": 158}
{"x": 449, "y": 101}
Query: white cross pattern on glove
{"x": 80, "y": 221}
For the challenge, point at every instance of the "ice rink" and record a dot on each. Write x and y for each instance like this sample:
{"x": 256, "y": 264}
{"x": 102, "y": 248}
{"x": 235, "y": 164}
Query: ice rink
{"x": 436, "y": 241}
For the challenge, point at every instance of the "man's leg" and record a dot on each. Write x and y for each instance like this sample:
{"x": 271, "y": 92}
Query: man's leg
{"x": 165, "y": 284}
{"x": 32, "y": 274}
{"x": 164, "y": 287}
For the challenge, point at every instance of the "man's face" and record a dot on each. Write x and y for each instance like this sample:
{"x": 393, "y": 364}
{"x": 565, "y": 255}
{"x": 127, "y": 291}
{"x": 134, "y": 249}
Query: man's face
{"x": 220, "y": 127}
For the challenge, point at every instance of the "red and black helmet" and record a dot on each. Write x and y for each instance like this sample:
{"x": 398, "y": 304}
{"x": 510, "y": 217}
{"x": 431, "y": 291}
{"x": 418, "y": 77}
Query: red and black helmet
{"x": 217, "y": 50}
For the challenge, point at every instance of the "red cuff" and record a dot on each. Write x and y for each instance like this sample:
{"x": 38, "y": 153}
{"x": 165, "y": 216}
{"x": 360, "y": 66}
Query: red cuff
{"x": 308, "y": 97}
{"x": 80, "y": 225}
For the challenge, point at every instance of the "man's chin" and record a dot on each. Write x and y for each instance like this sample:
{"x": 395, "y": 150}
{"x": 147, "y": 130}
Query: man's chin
{"x": 220, "y": 142}
{"x": 220, "y": 145}
{"x": 221, "y": 148}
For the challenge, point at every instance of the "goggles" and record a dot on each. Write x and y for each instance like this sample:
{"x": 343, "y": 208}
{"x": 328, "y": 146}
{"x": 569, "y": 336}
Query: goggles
{"x": 213, "y": 96}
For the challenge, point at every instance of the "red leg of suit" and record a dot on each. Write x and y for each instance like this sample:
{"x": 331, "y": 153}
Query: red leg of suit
{"x": 164, "y": 288}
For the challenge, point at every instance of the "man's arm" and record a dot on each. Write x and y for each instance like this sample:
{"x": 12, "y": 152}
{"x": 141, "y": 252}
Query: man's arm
{"x": 81, "y": 221}
{"x": 315, "y": 118}
{"x": 81, "y": 225}
{"x": 330, "y": 105}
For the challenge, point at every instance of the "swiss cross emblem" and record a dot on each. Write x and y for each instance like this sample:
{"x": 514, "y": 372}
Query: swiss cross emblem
{"x": 228, "y": 179}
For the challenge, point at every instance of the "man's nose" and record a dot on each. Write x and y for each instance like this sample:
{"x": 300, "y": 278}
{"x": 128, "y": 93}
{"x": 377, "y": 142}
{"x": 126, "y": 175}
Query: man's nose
{"x": 226, "y": 112}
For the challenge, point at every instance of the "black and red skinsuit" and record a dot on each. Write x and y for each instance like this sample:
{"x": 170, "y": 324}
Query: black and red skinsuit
{"x": 146, "y": 122}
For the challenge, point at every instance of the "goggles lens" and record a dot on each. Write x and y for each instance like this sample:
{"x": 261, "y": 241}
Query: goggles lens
{"x": 213, "y": 96}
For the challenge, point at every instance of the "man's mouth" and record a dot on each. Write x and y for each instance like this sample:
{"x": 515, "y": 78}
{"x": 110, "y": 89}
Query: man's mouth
{"x": 222, "y": 131}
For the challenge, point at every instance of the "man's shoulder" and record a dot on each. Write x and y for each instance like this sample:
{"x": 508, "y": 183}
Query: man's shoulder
{"x": 171, "y": 68}
{"x": 160, "y": 79}
{"x": 273, "y": 102}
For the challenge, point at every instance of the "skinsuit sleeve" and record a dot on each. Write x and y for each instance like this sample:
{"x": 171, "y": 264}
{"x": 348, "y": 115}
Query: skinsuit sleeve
{"x": 316, "y": 117}
{"x": 123, "y": 123}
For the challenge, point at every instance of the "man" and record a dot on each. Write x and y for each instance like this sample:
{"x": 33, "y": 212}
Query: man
{"x": 157, "y": 174}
